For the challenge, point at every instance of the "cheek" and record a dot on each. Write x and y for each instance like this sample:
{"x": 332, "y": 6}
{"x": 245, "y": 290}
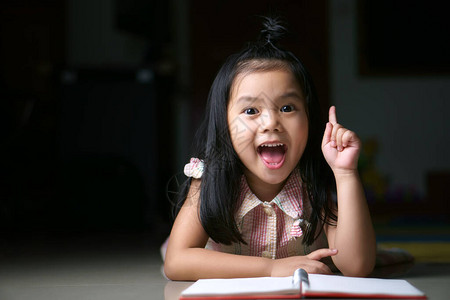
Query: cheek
{"x": 242, "y": 134}
{"x": 300, "y": 134}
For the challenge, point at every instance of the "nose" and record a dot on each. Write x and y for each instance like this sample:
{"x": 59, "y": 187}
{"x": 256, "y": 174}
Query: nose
{"x": 270, "y": 121}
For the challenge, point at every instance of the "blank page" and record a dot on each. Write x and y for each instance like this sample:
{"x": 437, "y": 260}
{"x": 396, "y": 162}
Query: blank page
{"x": 242, "y": 286}
{"x": 362, "y": 286}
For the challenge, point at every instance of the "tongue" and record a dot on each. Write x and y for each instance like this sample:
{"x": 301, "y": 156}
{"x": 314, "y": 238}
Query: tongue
{"x": 272, "y": 155}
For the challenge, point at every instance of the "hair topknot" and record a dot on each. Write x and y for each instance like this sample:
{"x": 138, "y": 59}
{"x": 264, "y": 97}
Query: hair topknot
{"x": 272, "y": 31}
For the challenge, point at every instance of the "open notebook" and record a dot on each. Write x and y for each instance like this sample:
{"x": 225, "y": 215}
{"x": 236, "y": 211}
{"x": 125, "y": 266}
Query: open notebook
{"x": 301, "y": 285}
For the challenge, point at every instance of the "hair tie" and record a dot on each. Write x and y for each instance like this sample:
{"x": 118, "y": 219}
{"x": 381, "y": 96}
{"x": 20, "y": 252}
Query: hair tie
{"x": 194, "y": 168}
{"x": 272, "y": 31}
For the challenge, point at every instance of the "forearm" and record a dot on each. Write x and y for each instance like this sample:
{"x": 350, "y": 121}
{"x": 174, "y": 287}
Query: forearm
{"x": 354, "y": 236}
{"x": 195, "y": 263}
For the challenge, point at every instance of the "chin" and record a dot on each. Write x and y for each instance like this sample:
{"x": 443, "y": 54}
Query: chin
{"x": 276, "y": 178}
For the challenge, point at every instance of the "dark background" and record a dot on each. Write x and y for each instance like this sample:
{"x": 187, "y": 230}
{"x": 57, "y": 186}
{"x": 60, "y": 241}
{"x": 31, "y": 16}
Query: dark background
{"x": 92, "y": 148}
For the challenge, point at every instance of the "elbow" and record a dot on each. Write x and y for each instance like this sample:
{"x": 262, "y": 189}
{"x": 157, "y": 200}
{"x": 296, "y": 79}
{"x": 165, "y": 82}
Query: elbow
{"x": 170, "y": 271}
{"x": 174, "y": 270}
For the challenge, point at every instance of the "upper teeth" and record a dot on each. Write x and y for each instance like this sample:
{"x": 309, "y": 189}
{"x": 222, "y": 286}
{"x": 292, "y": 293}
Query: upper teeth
{"x": 272, "y": 145}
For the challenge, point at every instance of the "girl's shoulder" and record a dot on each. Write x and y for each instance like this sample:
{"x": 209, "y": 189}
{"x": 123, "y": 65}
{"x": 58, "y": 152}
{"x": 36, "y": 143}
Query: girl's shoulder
{"x": 194, "y": 168}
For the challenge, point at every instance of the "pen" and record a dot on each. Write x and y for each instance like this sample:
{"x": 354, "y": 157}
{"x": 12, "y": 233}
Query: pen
{"x": 300, "y": 276}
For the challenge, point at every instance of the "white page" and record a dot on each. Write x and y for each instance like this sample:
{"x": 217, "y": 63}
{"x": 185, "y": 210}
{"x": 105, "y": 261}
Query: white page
{"x": 326, "y": 284}
{"x": 362, "y": 286}
{"x": 242, "y": 286}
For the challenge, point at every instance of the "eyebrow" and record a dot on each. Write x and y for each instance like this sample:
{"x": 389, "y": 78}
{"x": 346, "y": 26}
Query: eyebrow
{"x": 292, "y": 94}
{"x": 247, "y": 99}
{"x": 244, "y": 100}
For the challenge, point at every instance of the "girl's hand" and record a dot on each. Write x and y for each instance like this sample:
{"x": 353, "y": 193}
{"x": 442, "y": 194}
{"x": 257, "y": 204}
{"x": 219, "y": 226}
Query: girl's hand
{"x": 340, "y": 146}
{"x": 310, "y": 263}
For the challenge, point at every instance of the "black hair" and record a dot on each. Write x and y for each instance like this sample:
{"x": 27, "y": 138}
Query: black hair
{"x": 220, "y": 182}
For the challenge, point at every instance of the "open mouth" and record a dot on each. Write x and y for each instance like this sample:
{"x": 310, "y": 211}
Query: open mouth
{"x": 272, "y": 154}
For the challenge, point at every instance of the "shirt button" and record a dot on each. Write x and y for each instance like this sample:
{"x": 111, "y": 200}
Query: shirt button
{"x": 268, "y": 210}
{"x": 266, "y": 254}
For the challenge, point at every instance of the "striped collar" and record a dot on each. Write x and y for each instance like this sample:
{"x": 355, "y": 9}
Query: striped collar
{"x": 289, "y": 199}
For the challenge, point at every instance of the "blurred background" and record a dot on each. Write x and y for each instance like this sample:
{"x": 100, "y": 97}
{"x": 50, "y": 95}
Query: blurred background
{"x": 99, "y": 101}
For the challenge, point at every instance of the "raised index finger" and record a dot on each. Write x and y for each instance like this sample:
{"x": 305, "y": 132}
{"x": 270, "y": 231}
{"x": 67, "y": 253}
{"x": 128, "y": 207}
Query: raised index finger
{"x": 332, "y": 115}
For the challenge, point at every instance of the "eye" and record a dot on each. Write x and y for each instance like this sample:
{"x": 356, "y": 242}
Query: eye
{"x": 287, "y": 108}
{"x": 250, "y": 111}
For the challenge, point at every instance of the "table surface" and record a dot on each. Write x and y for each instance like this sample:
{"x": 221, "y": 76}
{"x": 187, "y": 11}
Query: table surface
{"x": 120, "y": 267}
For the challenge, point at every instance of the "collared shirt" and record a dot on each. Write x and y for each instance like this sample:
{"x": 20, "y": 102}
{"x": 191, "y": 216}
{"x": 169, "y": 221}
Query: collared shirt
{"x": 272, "y": 229}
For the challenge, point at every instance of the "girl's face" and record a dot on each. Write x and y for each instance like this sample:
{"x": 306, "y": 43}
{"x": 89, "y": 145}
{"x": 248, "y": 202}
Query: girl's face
{"x": 268, "y": 126}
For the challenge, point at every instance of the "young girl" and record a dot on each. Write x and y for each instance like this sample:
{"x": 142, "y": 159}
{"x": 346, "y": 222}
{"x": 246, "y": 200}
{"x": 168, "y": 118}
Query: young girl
{"x": 258, "y": 198}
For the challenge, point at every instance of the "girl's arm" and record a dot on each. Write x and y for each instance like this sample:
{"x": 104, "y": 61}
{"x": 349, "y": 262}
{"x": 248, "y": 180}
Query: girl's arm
{"x": 353, "y": 236}
{"x": 187, "y": 259}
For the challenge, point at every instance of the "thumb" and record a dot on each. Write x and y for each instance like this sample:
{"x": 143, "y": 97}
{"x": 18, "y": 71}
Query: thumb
{"x": 321, "y": 253}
